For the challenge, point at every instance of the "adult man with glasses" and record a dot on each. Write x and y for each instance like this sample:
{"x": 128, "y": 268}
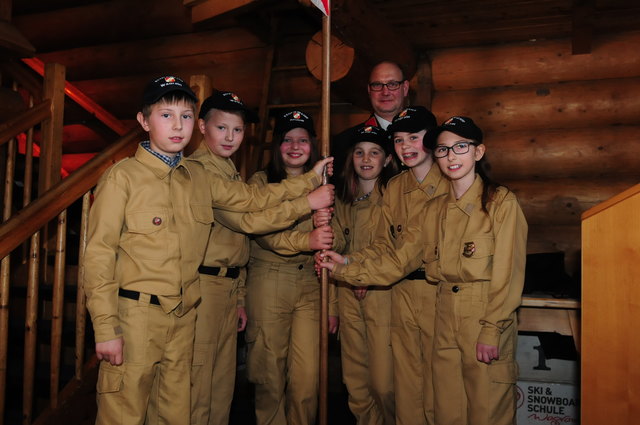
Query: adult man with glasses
{"x": 375, "y": 402}
{"x": 387, "y": 90}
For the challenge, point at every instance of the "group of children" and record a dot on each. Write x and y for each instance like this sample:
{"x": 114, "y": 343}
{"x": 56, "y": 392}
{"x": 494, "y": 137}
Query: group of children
{"x": 428, "y": 267}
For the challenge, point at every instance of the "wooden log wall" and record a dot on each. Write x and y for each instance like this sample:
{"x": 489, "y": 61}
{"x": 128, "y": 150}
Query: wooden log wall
{"x": 561, "y": 130}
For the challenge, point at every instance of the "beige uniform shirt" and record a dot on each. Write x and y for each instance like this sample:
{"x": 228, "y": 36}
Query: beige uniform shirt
{"x": 289, "y": 246}
{"x": 228, "y": 243}
{"x": 460, "y": 243}
{"x": 149, "y": 227}
{"x": 357, "y": 221}
{"x": 404, "y": 201}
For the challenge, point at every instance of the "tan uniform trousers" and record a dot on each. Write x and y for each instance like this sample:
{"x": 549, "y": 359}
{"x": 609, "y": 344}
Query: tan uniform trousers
{"x": 413, "y": 306}
{"x": 469, "y": 392}
{"x": 153, "y": 378}
{"x": 283, "y": 306}
{"x": 367, "y": 360}
{"x": 214, "y": 355}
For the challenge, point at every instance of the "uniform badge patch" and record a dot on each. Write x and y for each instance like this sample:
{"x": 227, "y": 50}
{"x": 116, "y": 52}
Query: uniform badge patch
{"x": 469, "y": 249}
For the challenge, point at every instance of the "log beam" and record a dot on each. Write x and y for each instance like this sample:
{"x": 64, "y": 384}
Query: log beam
{"x": 103, "y": 22}
{"x": 562, "y": 201}
{"x": 201, "y": 11}
{"x": 582, "y": 26}
{"x": 371, "y": 35}
{"x": 539, "y": 62}
{"x": 608, "y": 152}
{"x": 229, "y": 47}
{"x": 553, "y": 105}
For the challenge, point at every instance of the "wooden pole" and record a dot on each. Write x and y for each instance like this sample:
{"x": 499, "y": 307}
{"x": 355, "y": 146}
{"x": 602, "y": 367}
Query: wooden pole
{"x": 30, "y": 330}
{"x": 81, "y": 302}
{"x": 324, "y": 148}
{"x": 5, "y": 276}
{"x": 57, "y": 307}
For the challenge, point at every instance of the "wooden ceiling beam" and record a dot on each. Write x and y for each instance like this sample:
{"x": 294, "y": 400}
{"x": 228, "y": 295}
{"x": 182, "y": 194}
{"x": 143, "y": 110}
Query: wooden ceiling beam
{"x": 371, "y": 35}
{"x": 203, "y": 10}
{"x": 103, "y": 23}
{"x": 582, "y": 26}
{"x": 203, "y": 49}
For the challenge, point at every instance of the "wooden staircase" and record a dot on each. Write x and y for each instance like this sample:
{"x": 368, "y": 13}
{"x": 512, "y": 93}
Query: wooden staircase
{"x": 46, "y": 345}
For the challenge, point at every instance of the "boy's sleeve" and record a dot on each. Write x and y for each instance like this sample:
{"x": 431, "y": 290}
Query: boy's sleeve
{"x": 507, "y": 275}
{"x": 242, "y": 197}
{"x": 387, "y": 269}
{"x": 333, "y": 299}
{"x": 106, "y": 220}
{"x": 286, "y": 242}
{"x": 267, "y": 220}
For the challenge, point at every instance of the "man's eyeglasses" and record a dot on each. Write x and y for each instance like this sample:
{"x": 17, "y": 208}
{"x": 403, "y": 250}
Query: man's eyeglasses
{"x": 458, "y": 148}
{"x": 391, "y": 85}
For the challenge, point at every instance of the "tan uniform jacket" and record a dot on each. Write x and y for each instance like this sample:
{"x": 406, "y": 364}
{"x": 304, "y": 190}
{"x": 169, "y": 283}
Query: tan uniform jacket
{"x": 357, "y": 222}
{"x": 228, "y": 243}
{"x": 289, "y": 246}
{"x": 403, "y": 202}
{"x": 472, "y": 246}
{"x": 460, "y": 243}
{"x": 149, "y": 227}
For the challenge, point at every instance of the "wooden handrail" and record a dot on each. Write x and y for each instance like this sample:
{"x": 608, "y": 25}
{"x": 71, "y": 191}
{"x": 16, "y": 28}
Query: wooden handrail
{"x": 83, "y": 100}
{"x": 25, "y": 121}
{"x": 23, "y": 78}
{"x": 28, "y": 220}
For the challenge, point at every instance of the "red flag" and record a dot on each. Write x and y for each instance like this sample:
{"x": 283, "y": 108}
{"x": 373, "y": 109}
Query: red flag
{"x": 323, "y": 5}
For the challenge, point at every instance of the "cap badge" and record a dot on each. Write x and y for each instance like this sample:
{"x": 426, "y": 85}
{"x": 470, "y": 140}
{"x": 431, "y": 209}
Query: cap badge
{"x": 296, "y": 115}
{"x": 170, "y": 79}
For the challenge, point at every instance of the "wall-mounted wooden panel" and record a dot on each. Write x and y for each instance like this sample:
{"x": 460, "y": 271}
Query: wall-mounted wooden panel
{"x": 610, "y": 369}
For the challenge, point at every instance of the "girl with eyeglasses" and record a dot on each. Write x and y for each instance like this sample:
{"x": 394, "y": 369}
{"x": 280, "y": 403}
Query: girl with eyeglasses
{"x": 413, "y": 301}
{"x": 472, "y": 243}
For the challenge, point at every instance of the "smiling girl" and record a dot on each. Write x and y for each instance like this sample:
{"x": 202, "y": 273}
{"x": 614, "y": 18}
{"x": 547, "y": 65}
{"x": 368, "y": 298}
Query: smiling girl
{"x": 283, "y": 293}
{"x": 365, "y": 340}
{"x": 472, "y": 243}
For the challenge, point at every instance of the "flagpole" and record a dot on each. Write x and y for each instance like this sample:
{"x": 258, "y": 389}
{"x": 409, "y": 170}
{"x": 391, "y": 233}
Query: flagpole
{"x": 325, "y": 149}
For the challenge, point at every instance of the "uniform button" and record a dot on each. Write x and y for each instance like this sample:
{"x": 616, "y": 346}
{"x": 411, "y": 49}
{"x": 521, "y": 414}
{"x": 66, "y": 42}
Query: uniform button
{"x": 455, "y": 289}
{"x": 300, "y": 267}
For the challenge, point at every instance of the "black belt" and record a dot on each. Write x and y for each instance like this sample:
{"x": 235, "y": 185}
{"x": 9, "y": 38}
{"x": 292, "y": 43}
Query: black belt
{"x": 416, "y": 275}
{"x": 135, "y": 295}
{"x": 232, "y": 272}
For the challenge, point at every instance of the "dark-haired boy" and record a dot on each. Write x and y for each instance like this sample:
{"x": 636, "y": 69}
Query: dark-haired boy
{"x": 148, "y": 230}
{"x": 221, "y": 313}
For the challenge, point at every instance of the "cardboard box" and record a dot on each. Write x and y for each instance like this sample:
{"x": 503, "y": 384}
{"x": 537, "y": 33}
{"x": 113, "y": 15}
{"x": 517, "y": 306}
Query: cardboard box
{"x": 548, "y": 390}
{"x": 547, "y": 403}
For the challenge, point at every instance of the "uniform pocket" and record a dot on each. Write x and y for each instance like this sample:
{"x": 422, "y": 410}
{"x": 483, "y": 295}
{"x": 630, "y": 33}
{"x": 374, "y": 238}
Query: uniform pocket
{"x": 147, "y": 234}
{"x": 200, "y": 354}
{"x": 110, "y": 378}
{"x": 256, "y": 366}
{"x": 503, "y": 372}
{"x": 476, "y": 258}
